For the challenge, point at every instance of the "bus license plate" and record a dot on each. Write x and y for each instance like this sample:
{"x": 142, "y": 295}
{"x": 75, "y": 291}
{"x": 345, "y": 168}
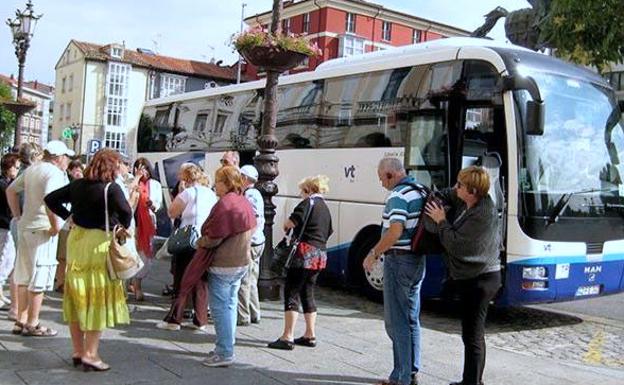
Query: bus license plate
{"x": 588, "y": 290}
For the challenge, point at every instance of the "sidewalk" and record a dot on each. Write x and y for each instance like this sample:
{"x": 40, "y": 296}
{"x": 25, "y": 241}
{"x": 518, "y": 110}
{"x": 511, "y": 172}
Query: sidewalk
{"x": 353, "y": 349}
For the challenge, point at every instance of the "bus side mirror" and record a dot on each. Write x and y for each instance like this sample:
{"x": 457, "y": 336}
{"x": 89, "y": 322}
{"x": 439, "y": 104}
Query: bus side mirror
{"x": 534, "y": 108}
{"x": 534, "y": 118}
{"x": 621, "y": 105}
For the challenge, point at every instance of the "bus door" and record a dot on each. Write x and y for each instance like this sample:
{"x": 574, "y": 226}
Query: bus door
{"x": 482, "y": 139}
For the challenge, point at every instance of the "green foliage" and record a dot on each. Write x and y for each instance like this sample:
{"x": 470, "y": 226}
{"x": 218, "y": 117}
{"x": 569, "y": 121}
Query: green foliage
{"x": 588, "y": 32}
{"x": 7, "y": 119}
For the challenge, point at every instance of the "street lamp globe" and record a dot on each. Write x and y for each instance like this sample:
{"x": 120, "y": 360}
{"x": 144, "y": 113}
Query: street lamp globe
{"x": 16, "y": 28}
{"x": 28, "y": 20}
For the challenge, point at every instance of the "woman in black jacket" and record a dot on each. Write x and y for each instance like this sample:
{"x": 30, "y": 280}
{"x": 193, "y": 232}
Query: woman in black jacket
{"x": 309, "y": 260}
{"x": 92, "y": 301}
{"x": 471, "y": 242}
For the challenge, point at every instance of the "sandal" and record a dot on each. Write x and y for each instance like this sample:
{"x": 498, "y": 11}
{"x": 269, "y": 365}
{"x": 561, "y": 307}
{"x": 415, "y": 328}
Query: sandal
{"x": 18, "y": 328}
{"x": 281, "y": 344}
{"x": 38, "y": 331}
{"x": 305, "y": 341}
{"x": 98, "y": 366}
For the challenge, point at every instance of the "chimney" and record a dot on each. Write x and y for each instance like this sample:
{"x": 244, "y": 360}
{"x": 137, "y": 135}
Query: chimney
{"x": 12, "y": 77}
{"x": 36, "y": 84}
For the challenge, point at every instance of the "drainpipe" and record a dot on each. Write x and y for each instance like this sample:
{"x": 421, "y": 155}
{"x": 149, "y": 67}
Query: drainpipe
{"x": 373, "y": 35}
{"x": 318, "y": 28}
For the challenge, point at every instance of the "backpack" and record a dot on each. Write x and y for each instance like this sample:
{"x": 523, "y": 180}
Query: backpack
{"x": 424, "y": 242}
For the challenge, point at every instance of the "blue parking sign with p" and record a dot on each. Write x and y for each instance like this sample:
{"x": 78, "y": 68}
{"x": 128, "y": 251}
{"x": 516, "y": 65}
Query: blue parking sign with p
{"x": 94, "y": 146}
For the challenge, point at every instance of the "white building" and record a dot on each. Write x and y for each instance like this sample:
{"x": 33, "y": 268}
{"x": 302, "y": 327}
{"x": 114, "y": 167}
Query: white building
{"x": 101, "y": 89}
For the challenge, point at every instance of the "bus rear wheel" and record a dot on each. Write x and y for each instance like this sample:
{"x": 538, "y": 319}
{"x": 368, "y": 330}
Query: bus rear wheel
{"x": 371, "y": 283}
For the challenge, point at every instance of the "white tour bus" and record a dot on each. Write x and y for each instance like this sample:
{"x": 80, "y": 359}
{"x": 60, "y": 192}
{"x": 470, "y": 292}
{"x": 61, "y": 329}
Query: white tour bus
{"x": 548, "y": 132}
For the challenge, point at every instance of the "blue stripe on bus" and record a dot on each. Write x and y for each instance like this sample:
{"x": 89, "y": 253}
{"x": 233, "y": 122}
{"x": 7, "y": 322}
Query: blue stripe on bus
{"x": 607, "y": 273}
{"x": 610, "y": 277}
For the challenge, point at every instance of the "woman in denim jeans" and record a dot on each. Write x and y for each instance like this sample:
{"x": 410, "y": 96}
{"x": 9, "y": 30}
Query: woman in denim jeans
{"x": 226, "y": 235}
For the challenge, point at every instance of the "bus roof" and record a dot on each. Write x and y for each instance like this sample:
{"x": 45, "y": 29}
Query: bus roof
{"x": 497, "y": 52}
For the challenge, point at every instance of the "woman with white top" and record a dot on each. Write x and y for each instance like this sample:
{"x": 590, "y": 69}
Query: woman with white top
{"x": 192, "y": 206}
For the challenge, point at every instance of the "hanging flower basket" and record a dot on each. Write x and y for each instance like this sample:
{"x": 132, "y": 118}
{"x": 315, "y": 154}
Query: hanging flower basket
{"x": 19, "y": 107}
{"x": 274, "y": 51}
{"x": 272, "y": 58}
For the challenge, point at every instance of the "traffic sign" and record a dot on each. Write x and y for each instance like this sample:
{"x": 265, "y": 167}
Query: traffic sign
{"x": 67, "y": 133}
{"x": 94, "y": 145}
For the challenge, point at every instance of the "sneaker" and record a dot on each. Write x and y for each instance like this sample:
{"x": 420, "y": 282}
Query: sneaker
{"x": 167, "y": 326}
{"x": 215, "y": 361}
{"x": 201, "y": 330}
{"x": 243, "y": 323}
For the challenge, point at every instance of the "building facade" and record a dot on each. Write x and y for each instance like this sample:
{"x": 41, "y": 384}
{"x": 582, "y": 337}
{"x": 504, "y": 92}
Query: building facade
{"x": 35, "y": 123}
{"x": 101, "y": 90}
{"x": 350, "y": 27}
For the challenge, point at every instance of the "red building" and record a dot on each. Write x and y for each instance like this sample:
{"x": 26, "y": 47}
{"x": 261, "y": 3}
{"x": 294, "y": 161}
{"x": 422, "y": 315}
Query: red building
{"x": 350, "y": 27}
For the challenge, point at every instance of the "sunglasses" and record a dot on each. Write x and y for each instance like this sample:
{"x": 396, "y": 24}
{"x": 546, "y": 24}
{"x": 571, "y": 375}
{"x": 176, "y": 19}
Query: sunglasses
{"x": 224, "y": 162}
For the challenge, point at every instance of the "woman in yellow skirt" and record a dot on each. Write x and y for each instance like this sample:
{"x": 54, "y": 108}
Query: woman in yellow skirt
{"x": 92, "y": 301}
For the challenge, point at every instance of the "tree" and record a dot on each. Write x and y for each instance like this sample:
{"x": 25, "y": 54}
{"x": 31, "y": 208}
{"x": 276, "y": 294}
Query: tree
{"x": 7, "y": 119}
{"x": 589, "y": 32}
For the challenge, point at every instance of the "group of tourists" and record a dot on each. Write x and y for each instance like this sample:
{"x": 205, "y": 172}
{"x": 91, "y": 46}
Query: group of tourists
{"x": 54, "y": 214}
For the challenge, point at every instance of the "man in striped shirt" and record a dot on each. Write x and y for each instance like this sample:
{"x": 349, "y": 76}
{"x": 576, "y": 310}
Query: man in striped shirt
{"x": 403, "y": 270}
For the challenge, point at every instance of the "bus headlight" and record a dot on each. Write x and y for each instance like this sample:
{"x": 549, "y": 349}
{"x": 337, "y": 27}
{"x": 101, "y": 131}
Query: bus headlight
{"x": 534, "y": 272}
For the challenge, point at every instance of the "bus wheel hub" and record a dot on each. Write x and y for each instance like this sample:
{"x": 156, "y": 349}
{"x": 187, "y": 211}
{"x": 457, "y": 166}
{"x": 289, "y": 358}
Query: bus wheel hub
{"x": 375, "y": 276}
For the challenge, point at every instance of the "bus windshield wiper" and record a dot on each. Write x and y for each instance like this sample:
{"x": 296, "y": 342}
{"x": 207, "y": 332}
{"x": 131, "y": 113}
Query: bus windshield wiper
{"x": 562, "y": 203}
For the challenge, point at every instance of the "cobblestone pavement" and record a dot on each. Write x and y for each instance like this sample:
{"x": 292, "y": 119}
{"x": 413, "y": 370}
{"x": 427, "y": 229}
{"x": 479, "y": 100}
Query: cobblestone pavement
{"x": 523, "y": 330}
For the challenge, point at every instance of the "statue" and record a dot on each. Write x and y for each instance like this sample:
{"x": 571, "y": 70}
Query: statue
{"x": 522, "y": 27}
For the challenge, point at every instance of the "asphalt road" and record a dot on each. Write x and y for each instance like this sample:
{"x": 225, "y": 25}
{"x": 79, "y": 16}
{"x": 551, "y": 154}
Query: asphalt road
{"x": 610, "y": 307}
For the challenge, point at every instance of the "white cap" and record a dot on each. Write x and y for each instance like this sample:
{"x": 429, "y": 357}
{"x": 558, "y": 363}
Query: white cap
{"x": 58, "y": 148}
{"x": 250, "y": 172}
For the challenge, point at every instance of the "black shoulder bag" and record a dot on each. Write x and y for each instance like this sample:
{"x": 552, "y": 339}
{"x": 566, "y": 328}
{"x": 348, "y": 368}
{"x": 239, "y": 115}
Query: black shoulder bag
{"x": 285, "y": 251}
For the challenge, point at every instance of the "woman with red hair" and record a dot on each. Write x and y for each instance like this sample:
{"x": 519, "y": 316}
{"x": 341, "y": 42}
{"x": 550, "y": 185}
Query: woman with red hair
{"x": 92, "y": 301}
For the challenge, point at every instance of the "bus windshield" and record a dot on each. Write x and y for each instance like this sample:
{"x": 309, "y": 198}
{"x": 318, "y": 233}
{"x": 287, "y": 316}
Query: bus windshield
{"x": 579, "y": 155}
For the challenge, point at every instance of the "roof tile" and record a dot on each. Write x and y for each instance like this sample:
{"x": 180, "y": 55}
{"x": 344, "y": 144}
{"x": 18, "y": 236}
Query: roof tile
{"x": 164, "y": 63}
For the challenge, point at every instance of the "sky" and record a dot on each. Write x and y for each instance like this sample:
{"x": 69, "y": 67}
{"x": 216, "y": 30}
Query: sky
{"x": 191, "y": 29}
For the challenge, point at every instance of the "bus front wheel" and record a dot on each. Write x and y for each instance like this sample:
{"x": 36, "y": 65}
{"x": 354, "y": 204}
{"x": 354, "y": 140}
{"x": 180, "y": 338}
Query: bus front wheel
{"x": 371, "y": 282}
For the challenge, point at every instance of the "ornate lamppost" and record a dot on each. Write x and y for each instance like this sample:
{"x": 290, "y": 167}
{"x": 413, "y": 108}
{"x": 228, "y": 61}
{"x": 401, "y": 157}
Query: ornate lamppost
{"x": 75, "y": 134}
{"x": 22, "y": 28}
{"x": 275, "y": 60}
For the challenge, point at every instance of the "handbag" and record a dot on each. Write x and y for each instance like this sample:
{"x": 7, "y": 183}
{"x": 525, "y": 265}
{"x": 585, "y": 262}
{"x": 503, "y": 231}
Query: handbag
{"x": 184, "y": 239}
{"x": 123, "y": 261}
{"x": 284, "y": 251}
